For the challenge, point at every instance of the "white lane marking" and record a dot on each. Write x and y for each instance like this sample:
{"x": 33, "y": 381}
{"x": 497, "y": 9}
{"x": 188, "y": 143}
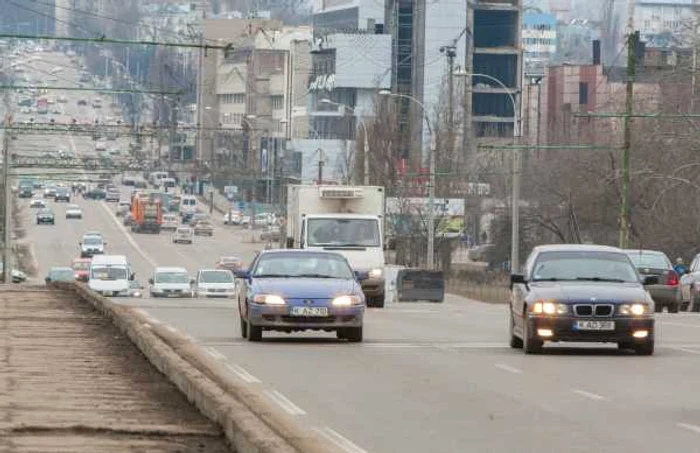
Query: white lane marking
{"x": 340, "y": 441}
{"x": 242, "y": 373}
{"x": 214, "y": 353}
{"x": 680, "y": 324}
{"x": 508, "y": 368}
{"x": 689, "y": 427}
{"x": 688, "y": 350}
{"x": 446, "y": 346}
{"x": 589, "y": 395}
{"x": 128, "y": 236}
{"x": 284, "y": 403}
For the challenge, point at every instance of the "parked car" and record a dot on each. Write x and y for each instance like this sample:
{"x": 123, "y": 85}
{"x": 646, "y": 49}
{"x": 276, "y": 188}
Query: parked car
{"x": 297, "y": 290}
{"x": 203, "y": 228}
{"x": 60, "y": 274}
{"x": 214, "y": 283}
{"x": 667, "y": 292}
{"x": 45, "y": 216}
{"x": 581, "y": 293}
{"x": 183, "y": 235}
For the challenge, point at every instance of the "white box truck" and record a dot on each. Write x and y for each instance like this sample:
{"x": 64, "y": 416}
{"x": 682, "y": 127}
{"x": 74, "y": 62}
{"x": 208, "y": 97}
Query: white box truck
{"x": 346, "y": 219}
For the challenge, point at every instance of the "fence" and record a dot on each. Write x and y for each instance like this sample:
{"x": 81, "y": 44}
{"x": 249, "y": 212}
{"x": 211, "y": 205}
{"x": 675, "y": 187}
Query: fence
{"x": 486, "y": 286}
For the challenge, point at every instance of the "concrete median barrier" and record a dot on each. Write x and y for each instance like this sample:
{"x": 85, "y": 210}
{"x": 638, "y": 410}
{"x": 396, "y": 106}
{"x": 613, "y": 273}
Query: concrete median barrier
{"x": 250, "y": 422}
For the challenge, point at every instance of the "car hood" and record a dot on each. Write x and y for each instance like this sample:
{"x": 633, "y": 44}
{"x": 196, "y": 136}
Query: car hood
{"x": 588, "y": 291}
{"x": 316, "y": 288}
{"x": 206, "y": 285}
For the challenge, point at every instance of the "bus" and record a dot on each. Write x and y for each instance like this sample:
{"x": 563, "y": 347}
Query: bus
{"x": 42, "y": 106}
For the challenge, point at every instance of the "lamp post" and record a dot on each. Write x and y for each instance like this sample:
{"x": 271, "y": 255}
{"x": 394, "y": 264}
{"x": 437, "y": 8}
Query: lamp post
{"x": 366, "y": 141}
{"x": 515, "y": 160}
{"x": 431, "y": 186}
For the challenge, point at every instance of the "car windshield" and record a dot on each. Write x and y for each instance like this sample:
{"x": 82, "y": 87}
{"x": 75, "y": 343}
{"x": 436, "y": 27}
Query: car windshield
{"x": 108, "y": 273}
{"x": 61, "y": 274}
{"x": 230, "y": 260}
{"x": 215, "y": 277}
{"x": 81, "y": 265}
{"x": 73, "y": 206}
{"x": 302, "y": 265}
{"x": 584, "y": 265}
{"x": 343, "y": 232}
{"x": 650, "y": 260}
{"x": 171, "y": 277}
{"x": 92, "y": 240}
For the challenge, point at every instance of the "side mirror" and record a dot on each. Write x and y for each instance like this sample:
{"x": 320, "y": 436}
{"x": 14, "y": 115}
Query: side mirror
{"x": 650, "y": 280}
{"x": 133, "y": 276}
{"x": 361, "y": 275}
{"x": 517, "y": 279}
{"x": 47, "y": 280}
{"x": 150, "y": 281}
{"x": 241, "y": 274}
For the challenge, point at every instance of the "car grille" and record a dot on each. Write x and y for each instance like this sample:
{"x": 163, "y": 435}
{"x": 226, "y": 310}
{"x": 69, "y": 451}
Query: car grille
{"x": 596, "y": 310}
{"x": 308, "y": 319}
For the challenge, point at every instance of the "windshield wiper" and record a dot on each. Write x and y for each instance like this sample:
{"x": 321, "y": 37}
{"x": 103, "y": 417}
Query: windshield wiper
{"x": 601, "y": 279}
{"x": 315, "y": 276}
{"x": 550, "y": 279}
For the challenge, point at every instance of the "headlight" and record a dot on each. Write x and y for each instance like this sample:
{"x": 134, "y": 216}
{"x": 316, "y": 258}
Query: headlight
{"x": 345, "y": 301}
{"x": 137, "y": 294}
{"x": 550, "y": 308}
{"x": 375, "y": 273}
{"x": 269, "y": 299}
{"x": 634, "y": 309}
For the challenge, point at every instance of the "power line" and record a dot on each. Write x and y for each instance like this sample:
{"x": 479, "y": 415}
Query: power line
{"x": 105, "y": 40}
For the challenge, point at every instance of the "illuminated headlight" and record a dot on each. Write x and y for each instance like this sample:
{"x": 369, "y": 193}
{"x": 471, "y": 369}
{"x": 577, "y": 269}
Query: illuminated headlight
{"x": 550, "y": 308}
{"x": 345, "y": 301}
{"x": 137, "y": 294}
{"x": 634, "y": 309}
{"x": 269, "y": 299}
{"x": 375, "y": 273}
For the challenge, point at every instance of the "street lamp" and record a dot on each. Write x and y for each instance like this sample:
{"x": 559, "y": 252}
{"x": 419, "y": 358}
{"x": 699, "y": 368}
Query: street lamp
{"x": 366, "y": 144}
{"x": 431, "y": 187}
{"x": 515, "y": 208}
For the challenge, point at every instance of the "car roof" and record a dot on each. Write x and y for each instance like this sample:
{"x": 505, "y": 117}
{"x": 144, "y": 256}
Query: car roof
{"x": 169, "y": 269}
{"x": 644, "y": 252}
{"x": 576, "y": 248}
{"x": 214, "y": 270}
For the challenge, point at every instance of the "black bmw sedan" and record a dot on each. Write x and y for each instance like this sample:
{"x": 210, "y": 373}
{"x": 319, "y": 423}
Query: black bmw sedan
{"x": 581, "y": 293}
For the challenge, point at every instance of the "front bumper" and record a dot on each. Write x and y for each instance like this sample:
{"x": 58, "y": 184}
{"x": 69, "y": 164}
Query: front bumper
{"x": 373, "y": 286}
{"x": 279, "y": 318}
{"x": 45, "y": 221}
{"x": 171, "y": 292}
{"x": 563, "y": 329}
{"x": 215, "y": 294}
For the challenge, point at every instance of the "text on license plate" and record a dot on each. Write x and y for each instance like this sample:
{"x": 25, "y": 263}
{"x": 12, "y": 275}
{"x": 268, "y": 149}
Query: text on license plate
{"x": 309, "y": 311}
{"x": 594, "y": 325}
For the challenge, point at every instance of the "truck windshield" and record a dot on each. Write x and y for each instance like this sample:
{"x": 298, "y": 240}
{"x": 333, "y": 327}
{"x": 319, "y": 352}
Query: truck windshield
{"x": 343, "y": 233}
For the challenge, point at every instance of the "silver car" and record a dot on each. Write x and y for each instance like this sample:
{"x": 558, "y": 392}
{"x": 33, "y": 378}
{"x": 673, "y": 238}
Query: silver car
{"x": 183, "y": 235}
{"x": 666, "y": 293}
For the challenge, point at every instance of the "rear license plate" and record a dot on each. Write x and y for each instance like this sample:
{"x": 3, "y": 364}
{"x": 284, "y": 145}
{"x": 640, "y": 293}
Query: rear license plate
{"x": 594, "y": 325}
{"x": 309, "y": 311}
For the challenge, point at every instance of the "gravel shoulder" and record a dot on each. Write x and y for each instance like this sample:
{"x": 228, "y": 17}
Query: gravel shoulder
{"x": 71, "y": 382}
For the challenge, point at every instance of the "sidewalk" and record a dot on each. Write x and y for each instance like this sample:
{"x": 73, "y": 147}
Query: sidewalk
{"x": 71, "y": 382}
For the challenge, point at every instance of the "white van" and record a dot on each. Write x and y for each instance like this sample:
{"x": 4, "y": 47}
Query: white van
{"x": 188, "y": 204}
{"x": 110, "y": 275}
{"x": 155, "y": 177}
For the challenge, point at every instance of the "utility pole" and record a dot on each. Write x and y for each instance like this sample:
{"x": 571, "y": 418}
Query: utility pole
{"x": 632, "y": 37}
{"x": 321, "y": 163}
{"x": 7, "y": 189}
{"x": 431, "y": 204}
{"x": 450, "y": 52}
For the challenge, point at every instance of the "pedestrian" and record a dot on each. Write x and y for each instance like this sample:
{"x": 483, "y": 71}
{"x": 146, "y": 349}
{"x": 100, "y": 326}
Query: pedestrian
{"x": 680, "y": 267}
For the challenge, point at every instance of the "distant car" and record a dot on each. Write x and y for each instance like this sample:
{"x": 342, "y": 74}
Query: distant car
{"x": 17, "y": 275}
{"x": 297, "y": 290}
{"x": 271, "y": 234}
{"x": 170, "y": 282}
{"x": 113, "y": 196}
{"x": 230, "y": 263}
{"x": 45, "y": 216}
{"x": 187, "y": 217}
{"x": 82, "y": 101}
{"x": 81, "y": 269}
{"x": 49, "y": 191}
{"x": 581, "y": 293}
{"x": 96, "y": 194}
{"x": 122, "y": 210}
{"x": 73, "y": 211}
{"x": 203, "y": 228}
{"x": 232, "y": 218}
{"x": 62, "y": 194}
{"x": 169, "y": 222}
{"x": 127, "y": 219}
{"x": 26, "y": 192}
{"x": 183, "y": 235}
{"x": 197, "y": 217}
{"x": 135, "y": 289}
{"x": 91, "y": 244}
{"x": 667, "y": 291}
{"x": 214, "y": 283}
{"x": 37, "y": 203}
{"x": 60, "y": 274}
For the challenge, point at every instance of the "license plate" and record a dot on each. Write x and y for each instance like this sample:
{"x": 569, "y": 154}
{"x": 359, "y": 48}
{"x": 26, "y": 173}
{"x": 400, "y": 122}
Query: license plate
{"x": 594, "y": 325}
{"x": 309, "y": 311}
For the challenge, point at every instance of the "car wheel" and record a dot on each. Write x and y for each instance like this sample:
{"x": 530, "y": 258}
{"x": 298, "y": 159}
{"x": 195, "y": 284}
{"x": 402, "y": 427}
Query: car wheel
{"x": 674, "y": 308}
{"x": 244, "y": 327}
{"x": 340, "y": 333}
{"x": 646, "y": 348}
{"x": 353, "y": 334}
{"x": 694, "y": 302}
{"x": 658, "y": 308}
{"x": 515, "y": 342}
{"x": 378, "y": 302}
{"x": 254, "y": 332}
{"x": 530, "y": 345}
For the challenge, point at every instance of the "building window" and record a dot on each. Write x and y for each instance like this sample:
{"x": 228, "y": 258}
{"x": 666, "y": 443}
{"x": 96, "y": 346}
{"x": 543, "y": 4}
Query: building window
{"x": 277, "y": 102}
{"x": 232, "y": 98}
{"x": 583, "y": 93}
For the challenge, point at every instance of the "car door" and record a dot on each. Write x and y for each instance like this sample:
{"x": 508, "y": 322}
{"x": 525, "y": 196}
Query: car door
{"x": 518, "y": 294}
{"x": 243, "y": 287}
{"x": 689, "y": 278}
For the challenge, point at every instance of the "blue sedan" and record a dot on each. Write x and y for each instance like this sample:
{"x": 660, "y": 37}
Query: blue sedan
{"x": 297, "y": 290}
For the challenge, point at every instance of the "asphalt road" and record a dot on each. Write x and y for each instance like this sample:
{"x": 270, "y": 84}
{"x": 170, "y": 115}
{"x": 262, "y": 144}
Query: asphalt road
{"x": 435, "y": 378}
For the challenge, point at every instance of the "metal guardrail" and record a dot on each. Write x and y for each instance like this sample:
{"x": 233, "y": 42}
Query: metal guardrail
{"x": 414, "y": 285}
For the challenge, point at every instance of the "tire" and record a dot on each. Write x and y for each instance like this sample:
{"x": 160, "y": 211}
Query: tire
{"x": 530, "y": 345}
{"x": 658, "y": 308}
{"x": 353, "y": 334}
{"x": 254, "y": 332}
{"x": 674, "y": 308}
{"x": 646, "y": 348}
{"x": 340, "y": 333}
{"x": 376, "y": 302}
{"x": 515, "y": 342}
{"x": 694, "y": 302}
{"x": 244, "y": 327}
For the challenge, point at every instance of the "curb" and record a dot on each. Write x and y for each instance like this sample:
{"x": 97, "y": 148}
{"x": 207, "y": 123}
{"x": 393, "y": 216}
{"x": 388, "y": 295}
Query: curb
{"x": 250, "y": 423}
